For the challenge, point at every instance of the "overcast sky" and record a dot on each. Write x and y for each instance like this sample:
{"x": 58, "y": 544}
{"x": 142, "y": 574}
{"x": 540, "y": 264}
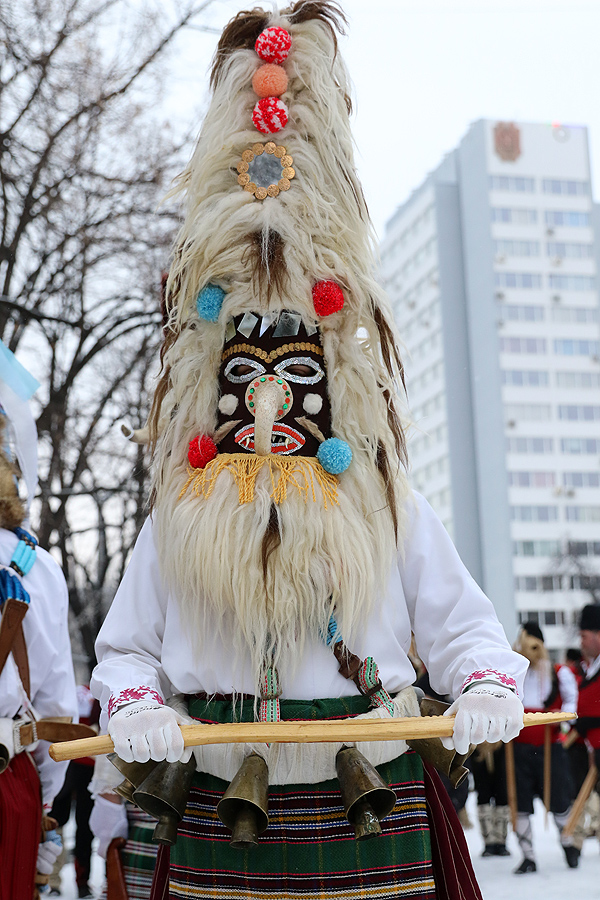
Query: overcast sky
{"x": 424, "y": 69}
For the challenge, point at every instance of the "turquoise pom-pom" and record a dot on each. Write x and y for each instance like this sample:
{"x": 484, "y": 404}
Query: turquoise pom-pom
{"x": 334, "y": 455}
{"x": 209, "y": 302}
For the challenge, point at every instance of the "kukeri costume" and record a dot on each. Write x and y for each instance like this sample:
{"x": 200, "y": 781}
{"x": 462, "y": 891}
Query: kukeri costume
{"x": 286, "y": 562}
{"x": 36, "y": 680}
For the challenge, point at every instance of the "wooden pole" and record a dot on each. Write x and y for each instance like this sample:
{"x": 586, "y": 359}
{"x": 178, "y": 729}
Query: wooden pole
{"x": 311, "y": 732}
{"x": 547, "y": 771}
{"x": 582, "y": 798}
{"x": 511, "y": 784}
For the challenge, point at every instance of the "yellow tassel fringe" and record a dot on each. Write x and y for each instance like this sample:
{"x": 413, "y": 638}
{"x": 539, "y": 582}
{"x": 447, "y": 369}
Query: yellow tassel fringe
{"x": 299, "y": 472}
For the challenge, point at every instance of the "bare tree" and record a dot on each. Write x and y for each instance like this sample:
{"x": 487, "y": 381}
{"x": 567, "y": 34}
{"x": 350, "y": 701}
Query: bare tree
{"x": 83, "y": 163}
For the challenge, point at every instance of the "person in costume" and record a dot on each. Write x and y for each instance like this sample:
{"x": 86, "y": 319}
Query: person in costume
{"x": 586, "y": 749}
{"x": 546, "y": 688}
{"x": 36, "y": 671}
{"x": 285, "y": 562}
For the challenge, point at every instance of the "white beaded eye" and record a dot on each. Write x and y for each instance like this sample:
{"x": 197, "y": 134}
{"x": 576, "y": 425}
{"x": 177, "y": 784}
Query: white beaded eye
{"x": 313, "y": 404}
{"x": 228, "y": 404}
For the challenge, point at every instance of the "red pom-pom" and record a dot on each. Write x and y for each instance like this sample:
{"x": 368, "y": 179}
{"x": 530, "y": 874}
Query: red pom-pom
{"x": 270, "y": 115}
{"x": 327, "y": 298}
{"x": 202, "y": 450}
{"x": 273, "y": 44}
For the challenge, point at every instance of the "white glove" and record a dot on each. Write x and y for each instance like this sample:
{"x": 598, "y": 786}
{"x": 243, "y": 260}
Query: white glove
{"x": 147, "y": 730}
{"x": 107, "y": 821}
{"x": 48, "y": 853}
{"x": 485, "y": 712}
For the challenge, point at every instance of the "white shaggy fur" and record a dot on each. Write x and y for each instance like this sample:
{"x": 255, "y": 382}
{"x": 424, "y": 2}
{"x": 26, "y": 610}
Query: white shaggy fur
{"x": 211, "y": 549}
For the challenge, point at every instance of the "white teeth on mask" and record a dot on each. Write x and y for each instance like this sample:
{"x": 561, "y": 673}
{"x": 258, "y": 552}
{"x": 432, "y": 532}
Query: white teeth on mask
{"x": 288, "y": 442}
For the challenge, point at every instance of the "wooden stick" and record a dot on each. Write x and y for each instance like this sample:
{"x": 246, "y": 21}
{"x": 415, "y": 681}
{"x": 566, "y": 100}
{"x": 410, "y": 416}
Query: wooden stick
{"x": 582, "y": 798}
{"x": 547, "y": 771}
{"x": 511, "y": 782}
{"x": 402, "y": 729}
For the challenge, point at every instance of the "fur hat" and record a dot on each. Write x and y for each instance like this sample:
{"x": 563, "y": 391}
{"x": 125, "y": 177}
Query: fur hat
{"x": 589, "y": 618}
{"x": 533, "y": 630}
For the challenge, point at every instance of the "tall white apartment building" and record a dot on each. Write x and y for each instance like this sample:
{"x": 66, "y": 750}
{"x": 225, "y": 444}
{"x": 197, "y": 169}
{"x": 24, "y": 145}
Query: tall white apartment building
{"x": 492, "y": 267}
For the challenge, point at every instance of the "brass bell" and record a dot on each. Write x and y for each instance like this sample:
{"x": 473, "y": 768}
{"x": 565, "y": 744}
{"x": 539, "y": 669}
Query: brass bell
{"x": 448, "y": 762}
{"x": 163, "y": 795}
{"x": 243, "y": 807}
{"x": 366, "y": 797}
{"x": 134, "y": 773}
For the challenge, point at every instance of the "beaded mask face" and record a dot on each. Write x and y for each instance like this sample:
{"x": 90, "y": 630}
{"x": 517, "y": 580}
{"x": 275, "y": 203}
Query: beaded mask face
{"x": 273, "y": 387}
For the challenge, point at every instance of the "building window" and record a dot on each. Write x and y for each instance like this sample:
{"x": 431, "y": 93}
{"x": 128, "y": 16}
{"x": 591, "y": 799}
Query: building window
{"x": 522, "y": 280}
{"x": 514, "y": 216}
{"x": 524, "y": 378}
{"x": 534, "y": 513}
{"x": 565, "y": 187}
{"x": 573, "y": 413}
{"x": 528, "y": 412}
{"x": 536, "y": 548}
{"x": 578, "y": 380}
{"x": 583, "y": 314}
{"x": 522, "y": 345}
{"x": 532, "y": 479}
{"x": 515, "y": 183}
{"x": 517, "y": 248}
{"x": 566, "y": 218}
{"x": 582, "y": 513}
{"x": 565, "y": 250}
{"x": 530, "y": 616}
{"x": 583, "y": 548}
{"x": 582, "y": 446}
{"x": 576, "y": 348}
{"x": 516, "y": 313}
{"x": 585, "y": 582}
{"x": 572, "y": 282}
{"x": 529, "y": 445}
{"x": 581, "y": 479}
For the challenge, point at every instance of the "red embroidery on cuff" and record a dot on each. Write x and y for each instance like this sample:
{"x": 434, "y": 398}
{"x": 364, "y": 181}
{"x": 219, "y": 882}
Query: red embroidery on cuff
{"x": 485, "y": 674}
{"x": 140, "y": 693}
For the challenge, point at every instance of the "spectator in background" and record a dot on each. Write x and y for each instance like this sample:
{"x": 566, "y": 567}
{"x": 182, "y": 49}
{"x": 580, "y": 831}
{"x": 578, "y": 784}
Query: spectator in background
{"x": 36, "y": 671}
{"x": 75, "y": 793}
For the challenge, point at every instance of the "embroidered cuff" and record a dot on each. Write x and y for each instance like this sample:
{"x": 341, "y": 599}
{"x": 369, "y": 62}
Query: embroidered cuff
{"x": 489, "y": 675}
{"x": 130, "y": 694}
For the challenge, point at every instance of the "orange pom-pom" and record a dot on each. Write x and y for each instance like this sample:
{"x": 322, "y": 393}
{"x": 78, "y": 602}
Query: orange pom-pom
{"x": 270, "y": 81}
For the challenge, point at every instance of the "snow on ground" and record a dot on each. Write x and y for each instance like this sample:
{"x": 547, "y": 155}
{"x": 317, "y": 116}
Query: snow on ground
{"x": 553, "y": 880}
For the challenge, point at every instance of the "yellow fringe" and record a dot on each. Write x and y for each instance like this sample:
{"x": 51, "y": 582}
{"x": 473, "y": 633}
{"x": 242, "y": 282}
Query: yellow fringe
{"x": 299, "y": 472}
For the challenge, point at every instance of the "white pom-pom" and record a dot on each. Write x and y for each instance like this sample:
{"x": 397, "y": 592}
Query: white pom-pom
{"x": 313, "y": 404}
{"x": 228, "y": 404}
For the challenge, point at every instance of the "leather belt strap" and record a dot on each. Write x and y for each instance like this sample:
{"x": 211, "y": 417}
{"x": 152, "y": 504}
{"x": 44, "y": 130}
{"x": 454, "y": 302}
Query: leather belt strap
{"x": 12, "y": 638}
{"x": 51, "y": 730}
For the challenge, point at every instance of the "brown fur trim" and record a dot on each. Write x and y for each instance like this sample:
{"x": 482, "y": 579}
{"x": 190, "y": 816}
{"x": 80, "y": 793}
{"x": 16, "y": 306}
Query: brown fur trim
{"x": 270, "y": 542}
{"x": 383, "y": 464}
{"x": 393, "y": 363}
{"x": 239, "y": 34}
{"x": 12, "y": 509}
{"x": 265, "y": 255}
{"x": 162, "y": 387}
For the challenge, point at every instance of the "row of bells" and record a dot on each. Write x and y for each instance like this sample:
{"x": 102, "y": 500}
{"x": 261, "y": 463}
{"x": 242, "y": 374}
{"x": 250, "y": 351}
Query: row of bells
{"x": 162, "y": 789}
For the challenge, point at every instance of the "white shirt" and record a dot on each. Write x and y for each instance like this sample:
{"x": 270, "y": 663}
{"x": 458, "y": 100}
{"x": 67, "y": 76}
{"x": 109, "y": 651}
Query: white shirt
{"x": 46, "y": 631}
{"x": 538, "y": 685}
{"x": 143, "y": 642}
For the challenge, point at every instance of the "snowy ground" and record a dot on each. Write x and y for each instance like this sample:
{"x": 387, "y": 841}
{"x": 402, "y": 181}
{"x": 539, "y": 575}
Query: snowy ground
{"x": 552, "y": 881}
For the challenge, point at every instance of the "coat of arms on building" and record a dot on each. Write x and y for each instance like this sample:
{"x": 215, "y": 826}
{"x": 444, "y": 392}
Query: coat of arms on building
{"x": 507, "y": 141}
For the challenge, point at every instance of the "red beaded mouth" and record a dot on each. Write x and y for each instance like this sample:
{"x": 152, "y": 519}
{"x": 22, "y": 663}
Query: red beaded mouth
{"x": 284, "y": 439}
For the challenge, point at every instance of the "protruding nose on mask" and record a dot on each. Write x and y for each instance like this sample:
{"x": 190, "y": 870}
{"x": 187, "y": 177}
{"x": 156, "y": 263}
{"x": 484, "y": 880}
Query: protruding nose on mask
{"x": 268, "y": 398}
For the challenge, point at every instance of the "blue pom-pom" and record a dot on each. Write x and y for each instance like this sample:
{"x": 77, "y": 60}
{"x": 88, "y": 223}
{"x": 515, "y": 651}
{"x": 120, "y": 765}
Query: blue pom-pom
{"x": 209, "y": 302}
{"x": 334, "y": 455}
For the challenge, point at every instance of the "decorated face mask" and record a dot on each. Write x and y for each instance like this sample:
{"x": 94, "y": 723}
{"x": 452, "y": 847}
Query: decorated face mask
{"x": 273, "y": 387}
{"x": 532, "y": 649}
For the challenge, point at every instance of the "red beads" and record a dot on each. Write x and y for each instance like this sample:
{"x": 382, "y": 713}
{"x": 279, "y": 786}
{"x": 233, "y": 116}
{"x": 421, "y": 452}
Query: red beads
{"x": 273, "y": 44}
{"x": 270, "y": 115}
{"x": 201, "y": 451}
{"x": 328, "y": 298}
